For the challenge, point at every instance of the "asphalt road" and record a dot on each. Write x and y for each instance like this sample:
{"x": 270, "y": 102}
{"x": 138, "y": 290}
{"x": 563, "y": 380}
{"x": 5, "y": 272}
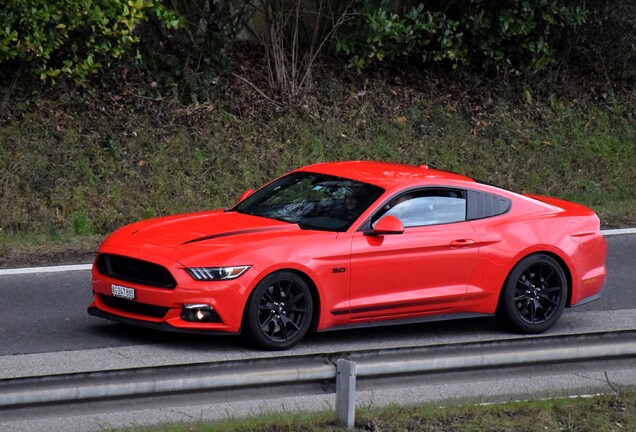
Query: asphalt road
{"x": 44, "y": 313}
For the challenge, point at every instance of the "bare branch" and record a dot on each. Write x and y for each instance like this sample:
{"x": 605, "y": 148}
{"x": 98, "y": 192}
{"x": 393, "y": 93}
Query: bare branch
{"x": 339, "y": 22}
{"x": 609, "y": 383}
{"x": 289, "y": 62}
{"x": 7, "y": 96}
{"x": 255, "y": 87}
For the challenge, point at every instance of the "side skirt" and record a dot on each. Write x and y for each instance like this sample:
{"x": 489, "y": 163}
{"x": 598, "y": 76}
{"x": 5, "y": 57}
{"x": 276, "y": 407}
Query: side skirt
{"x": 413, "y": 320}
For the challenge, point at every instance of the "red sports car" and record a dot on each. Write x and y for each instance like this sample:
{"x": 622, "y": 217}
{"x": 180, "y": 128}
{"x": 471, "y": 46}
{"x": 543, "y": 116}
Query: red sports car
{"x": 346, "y": 244}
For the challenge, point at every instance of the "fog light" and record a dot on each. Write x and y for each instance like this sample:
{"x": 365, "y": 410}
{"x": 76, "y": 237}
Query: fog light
{"x": 199, "y": 313}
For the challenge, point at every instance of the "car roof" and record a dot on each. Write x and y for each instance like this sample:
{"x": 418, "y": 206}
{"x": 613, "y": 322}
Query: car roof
{"x": 384, "y": 174}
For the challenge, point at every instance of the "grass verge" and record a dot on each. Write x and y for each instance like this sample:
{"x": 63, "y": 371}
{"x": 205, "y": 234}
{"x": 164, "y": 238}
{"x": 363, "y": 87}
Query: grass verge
{"x": 33, "y": 250}
{"x": 74, "y": 167}
{"x": 599, "y": 413}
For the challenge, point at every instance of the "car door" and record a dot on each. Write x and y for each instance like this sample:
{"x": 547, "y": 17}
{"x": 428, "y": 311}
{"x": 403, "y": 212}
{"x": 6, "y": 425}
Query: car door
{"x": 423, "y": 270}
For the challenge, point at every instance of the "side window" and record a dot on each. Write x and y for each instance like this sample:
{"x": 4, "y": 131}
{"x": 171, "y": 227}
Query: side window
{"x": 427, "y": 207}
{"x": 484, "y": 205}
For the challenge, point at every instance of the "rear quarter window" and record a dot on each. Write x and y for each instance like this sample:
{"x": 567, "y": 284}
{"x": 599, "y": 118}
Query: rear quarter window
{"x": 484, "y": 205}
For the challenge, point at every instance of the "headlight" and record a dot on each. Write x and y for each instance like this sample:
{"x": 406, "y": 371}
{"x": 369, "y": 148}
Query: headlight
{"x": 216, "y": 273}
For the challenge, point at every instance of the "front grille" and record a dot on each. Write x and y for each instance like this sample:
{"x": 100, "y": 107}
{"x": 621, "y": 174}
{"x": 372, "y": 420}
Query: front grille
{"x": 134, "y": 270}
{"x": 134, "y": 307}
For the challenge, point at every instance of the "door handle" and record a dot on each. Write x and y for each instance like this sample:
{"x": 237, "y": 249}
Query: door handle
{"x": 462, "y": 243}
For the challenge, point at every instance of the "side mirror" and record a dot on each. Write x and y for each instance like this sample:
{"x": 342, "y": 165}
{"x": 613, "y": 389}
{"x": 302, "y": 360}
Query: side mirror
{"x": 387, "y": 225}
{"x": 245, "y": 195}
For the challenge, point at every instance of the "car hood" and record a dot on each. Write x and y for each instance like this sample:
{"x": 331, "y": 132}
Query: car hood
{"x": 212, "y": 227}
{"x": 198, "y": 239}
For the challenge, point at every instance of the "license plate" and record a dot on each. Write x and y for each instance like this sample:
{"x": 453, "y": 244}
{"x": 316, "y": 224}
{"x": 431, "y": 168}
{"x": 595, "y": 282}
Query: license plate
{"x": 123, "y": 292}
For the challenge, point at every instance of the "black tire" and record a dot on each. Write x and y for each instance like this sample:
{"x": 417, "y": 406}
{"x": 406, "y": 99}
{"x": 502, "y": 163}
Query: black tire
{"x": 534, "y": 295}
{"x": 279, "y": 311}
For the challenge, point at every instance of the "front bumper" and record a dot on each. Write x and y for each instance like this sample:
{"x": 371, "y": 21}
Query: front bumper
{"x": 162, "y": 326}
{"x": 165, "y": 307}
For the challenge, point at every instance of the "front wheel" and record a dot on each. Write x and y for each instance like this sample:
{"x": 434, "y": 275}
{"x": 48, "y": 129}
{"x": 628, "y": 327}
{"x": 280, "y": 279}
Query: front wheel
{"x": 279, "y": 311}
{"x": 534, "y": 295}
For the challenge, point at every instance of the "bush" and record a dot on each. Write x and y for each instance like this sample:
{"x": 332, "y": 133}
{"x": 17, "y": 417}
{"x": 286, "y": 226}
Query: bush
{"x": 513, "y": 37}
{"x": 376, "y": 33}
{"x": 605, "y": 46}
{"x": 189, "y": 61}
{"x": 71, "y": 37}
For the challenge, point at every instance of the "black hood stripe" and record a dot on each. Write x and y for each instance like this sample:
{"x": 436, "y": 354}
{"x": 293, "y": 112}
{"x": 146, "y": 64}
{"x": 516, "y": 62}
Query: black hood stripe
{"x": 238, "y": 232}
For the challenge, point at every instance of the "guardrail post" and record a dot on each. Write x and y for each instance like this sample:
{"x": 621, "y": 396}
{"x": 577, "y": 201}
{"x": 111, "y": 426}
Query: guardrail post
{"x": 345, "y": 393}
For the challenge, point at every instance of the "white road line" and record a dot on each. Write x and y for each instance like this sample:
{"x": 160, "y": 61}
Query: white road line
{"x": 622, "y": 231}
{"x": 77, "y": 267}
{"x": 51, "y": 269}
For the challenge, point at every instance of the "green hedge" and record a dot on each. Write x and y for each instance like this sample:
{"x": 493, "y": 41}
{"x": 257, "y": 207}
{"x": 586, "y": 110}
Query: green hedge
{"x": 515, "y": 36}
{"x": 72, "y": 37}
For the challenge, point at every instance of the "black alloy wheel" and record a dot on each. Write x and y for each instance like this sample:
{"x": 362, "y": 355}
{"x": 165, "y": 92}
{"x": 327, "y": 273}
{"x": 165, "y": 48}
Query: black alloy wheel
{"x": 534, "y": 295}
{"x": 279, "y": 311}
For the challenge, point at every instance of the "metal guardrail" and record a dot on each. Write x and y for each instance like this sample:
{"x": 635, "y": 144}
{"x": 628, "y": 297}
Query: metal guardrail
{"x": 343, "y": 368}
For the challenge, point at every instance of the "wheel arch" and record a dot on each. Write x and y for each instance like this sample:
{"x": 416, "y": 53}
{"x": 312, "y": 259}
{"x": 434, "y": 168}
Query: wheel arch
{"x": 313, "y": 289}
{"x": 520, "y": 316}
{"x": 557, "y": 258}
{"x": 568, "y": 275}
{"x": 314, "y": 294}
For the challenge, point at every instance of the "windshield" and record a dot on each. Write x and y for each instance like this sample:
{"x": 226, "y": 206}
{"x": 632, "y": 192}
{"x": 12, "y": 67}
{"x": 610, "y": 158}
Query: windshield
{"x": 313, "y": 201}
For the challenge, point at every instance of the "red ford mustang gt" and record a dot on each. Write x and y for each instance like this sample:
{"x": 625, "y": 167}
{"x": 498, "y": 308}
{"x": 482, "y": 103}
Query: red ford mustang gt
{"x": 348, "y": 244}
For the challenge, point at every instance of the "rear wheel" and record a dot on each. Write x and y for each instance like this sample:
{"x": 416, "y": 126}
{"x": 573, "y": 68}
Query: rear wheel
{"x": 534, "y": 295}
{"x": 279, "y": 311}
